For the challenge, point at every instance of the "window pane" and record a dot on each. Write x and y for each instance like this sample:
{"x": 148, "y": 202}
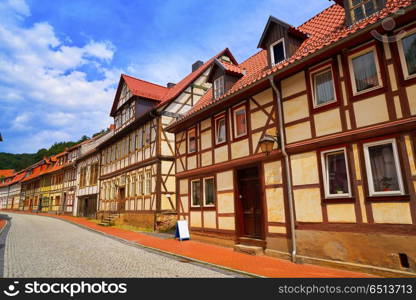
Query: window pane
{"x": 337, "y": 173}
{"x": 196, "y": 192}
{"x": 383, "y": 168}
{"x": 355, "y": 2}
{"x": 358, "y": 13}
{"x": 369, "y": 8}
{"x": 218, "y": 87}
{"x": 324, "y": 87}
{"x": 278, "y": 53}
{"x": 409, "y": 49}
{"x": 240, "y": 120}
{"x": 209, "y": 191}
{"x": 192, "y": 141}
{"x": 365, "y": 71}
{"x": 221, "y": 134}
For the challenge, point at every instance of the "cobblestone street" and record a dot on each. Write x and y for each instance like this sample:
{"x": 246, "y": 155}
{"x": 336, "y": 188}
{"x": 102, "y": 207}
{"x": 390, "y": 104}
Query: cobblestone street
{"x": 38, "y": 246}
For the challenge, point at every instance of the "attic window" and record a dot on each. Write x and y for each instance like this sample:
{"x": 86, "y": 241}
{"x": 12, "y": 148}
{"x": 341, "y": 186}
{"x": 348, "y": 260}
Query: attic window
{"x": 277, "y": 52}
{"x": 361, "y": 9}
{"x": 218, "y": 87}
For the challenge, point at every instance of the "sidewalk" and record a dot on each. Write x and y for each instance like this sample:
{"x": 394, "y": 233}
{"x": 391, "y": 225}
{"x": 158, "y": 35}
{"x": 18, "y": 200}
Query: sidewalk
{"x": 220, "y": 256}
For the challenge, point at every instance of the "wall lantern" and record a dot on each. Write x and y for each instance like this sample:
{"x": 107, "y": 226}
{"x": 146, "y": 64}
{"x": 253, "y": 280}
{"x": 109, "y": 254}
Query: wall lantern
{"x": 267, "y": 143}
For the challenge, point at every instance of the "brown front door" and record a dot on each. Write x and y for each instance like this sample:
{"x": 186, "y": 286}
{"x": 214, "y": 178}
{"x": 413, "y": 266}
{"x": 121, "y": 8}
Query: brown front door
{"x": 249, "y": 196}
{"x": 122, "y": 199}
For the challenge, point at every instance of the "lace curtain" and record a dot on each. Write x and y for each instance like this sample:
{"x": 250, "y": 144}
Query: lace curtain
{"x": 365, "y": 71}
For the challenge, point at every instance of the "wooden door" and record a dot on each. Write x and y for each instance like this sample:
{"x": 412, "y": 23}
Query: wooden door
{"x": 249, "y": 194}
{"x": 122, "y": 199}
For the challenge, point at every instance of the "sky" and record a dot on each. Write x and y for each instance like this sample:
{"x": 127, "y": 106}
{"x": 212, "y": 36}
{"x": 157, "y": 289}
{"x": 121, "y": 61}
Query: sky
{"x": 60, "y": 61}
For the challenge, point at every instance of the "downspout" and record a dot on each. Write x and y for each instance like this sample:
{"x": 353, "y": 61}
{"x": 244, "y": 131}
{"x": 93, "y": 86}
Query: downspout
{"x": 287, "y": 168}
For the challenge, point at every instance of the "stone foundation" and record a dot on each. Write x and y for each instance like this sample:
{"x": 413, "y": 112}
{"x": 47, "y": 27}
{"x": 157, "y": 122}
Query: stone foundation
{"x": 162, "y": 222}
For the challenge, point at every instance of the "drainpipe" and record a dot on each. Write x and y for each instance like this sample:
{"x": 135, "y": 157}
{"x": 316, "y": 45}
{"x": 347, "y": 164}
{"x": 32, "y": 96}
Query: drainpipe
{"x": 287, "y": 168}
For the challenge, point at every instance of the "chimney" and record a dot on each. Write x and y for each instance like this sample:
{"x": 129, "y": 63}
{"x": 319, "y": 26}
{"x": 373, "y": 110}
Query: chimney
{"x": 196, "y": 65}
{"x": 170, "y": 85}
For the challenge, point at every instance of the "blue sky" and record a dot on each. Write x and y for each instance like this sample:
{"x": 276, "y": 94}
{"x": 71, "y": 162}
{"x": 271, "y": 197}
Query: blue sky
{"x": 60, "y": 60}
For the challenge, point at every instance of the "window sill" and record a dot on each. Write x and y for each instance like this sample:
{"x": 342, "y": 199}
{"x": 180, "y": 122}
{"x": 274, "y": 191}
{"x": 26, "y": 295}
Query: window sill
{"x": 368, "y": 93}
{"x": 389, "y": 198}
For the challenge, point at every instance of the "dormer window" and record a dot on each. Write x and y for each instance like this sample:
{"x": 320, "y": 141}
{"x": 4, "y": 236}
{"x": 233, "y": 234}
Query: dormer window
{"x": 361, "y": 9}
{"x": 278, "y": 52}
{"x": 218, "y": 87}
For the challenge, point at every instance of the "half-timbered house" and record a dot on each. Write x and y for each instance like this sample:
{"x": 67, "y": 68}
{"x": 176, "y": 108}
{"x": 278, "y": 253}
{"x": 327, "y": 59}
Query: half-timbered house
{"x": 137, "y": 166}
{"x": 88, "y": 171}
{"x": 6, "y": 177}
{"x": 307, "y": 149}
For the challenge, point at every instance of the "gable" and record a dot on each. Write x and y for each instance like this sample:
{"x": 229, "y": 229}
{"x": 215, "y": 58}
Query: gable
{"x": 125, "y": 95}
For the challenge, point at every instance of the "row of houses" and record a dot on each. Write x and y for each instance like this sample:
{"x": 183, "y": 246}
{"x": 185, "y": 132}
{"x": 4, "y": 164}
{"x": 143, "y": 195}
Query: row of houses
{"x": 305, "y": 150}
{"x": 66, "y": 183}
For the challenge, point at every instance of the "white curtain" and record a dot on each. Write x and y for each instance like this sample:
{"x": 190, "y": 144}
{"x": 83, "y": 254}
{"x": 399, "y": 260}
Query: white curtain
{"x": 365, "y": 71}
{"x": 383, "y": 168}
{"x": 324, "y": 87}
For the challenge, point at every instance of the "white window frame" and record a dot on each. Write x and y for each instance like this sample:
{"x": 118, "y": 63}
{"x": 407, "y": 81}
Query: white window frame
{"x": 216, "y": 120}
{"x": 189, "y": 138}
{"x": 148, "y": 183}
{"x": 370, "y": 180}
{"x": 192, "y": 194}
{"x": 318, "y": 71}
{"x": 362, "y": 4}
{"x": 219, "y": 87}
{"x": 140, "y": 184}
{"x": 351, "y": 69}
{"x": 235, "y": 110}
{"x": 406, "y": 74}
{"x": 214, "y": 192}
{"x": 282, "y": 40}
{"x": 325, "y": 174}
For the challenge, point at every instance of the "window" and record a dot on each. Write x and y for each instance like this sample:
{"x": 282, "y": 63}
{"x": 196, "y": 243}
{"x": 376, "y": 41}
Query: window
{"x": 209, "y": 187}
{"x": 192, "y": 140}
{"x": 407, "y": 50}
{"x": 147, "y": 134}
{"x": 383, "y": 169}
{"x": 323, "y": 87}
{"x": 335, "y": 172}
{"x": 148, "y": 183}
{"x": 278, "y": 52}
{"x": 140, "y": 189}
{"x": 83, "y": 177}
{"x": 94, "y": 174}
{"x": 133, "y": 186}
{"x": 196, "y": 192}
{"x": 220, "y": 130}
{"x": 361, "y": 9}
{"x": 218, "y": 87}
{"x": 240, "y": 122}
{"x": 365, "y": 73}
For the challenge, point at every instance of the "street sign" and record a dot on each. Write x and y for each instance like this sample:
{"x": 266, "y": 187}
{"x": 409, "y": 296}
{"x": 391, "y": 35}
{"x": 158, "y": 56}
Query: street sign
{"x": 182, "y": 231}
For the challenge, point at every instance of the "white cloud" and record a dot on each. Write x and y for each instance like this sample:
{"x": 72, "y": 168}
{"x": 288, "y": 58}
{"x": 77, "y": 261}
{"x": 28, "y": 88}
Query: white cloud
{"x": 43, "y": 77}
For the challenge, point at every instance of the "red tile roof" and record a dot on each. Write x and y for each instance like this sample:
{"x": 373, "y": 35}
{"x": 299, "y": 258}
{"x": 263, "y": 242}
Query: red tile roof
{"x": 144, "y": 89}
{"x": 324, "y": 29}
{"x": 6, "y": 173}
{"x": 163, "y": 94}
{"x": 231, "y": 68}
{"x": 14, "y": 178}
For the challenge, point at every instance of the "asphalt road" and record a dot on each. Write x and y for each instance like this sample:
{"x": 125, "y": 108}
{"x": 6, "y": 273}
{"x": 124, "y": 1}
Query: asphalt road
{"x": 36, "y": 246}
